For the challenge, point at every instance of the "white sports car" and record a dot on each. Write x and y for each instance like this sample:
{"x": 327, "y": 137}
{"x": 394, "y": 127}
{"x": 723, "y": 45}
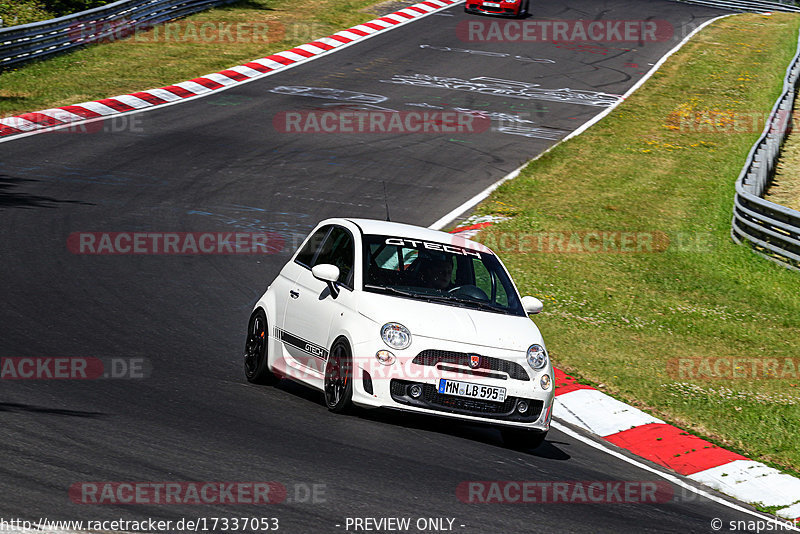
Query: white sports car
{"x": 387, "y": 315}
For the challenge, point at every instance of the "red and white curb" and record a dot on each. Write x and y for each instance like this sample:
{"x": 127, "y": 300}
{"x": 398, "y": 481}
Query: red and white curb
{"x": 471, "y": 226}
{"x": 47, "y": 119}
{"x": 669, "y": 446}
{"x": 652, "y": 439}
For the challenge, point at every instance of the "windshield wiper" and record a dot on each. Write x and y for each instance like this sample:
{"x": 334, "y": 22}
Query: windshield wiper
{"x": 438, "y": 298}
{"x": 393, "y": 290}
{"x": 468, "y": 302}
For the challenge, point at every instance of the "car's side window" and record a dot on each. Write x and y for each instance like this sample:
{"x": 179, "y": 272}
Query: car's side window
{"x": 339, "y": 250}
{"x": 306, "y": 256}
{"x": 483, "y": 279}
{"x": 487, "y": 281}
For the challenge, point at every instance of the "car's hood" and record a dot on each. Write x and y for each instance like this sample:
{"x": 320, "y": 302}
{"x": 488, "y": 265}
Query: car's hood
{"x": 451, "y": 323}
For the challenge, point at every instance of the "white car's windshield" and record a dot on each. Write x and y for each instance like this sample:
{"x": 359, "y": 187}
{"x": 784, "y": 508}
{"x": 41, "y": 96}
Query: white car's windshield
{"x": 439, "y": 272}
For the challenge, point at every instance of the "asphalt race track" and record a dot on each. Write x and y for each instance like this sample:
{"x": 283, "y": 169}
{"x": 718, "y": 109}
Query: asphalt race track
{"x": 221, "y": 164}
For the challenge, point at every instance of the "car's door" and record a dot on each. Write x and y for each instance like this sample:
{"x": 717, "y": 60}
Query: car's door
{"x": 312, "y": 308}
{"x": 285, "y": 281}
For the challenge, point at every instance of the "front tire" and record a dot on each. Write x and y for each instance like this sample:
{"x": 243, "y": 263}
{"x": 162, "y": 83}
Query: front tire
{"x": 256, "y": 349}
{"x": 339, "y": 378}
{"x": 519, "y": 439}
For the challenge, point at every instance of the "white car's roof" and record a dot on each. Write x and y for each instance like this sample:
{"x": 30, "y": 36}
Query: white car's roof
{"x": 374, "y": 226}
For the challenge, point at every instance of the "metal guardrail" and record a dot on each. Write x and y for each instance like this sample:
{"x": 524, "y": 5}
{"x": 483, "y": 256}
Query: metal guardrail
{"x": 29, "y": 42}
{"x": 771, "y": 229}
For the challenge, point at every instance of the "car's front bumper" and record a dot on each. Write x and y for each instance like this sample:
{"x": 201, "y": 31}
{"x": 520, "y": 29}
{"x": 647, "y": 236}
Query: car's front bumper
{"x": 380, "y": 386}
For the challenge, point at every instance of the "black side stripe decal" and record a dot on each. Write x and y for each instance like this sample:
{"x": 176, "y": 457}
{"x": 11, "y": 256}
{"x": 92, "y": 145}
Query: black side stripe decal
{"x": 300, "y": 343}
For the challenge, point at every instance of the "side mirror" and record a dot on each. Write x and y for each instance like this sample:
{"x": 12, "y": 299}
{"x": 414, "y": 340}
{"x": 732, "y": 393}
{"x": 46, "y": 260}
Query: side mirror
{"x": 532, "y": 305}
{"x": 329, "y": 274}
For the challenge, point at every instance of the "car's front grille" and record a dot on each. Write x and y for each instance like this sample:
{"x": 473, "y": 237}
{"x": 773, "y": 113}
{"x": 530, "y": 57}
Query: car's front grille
{"x": 433, "y": 357}
{"x": 433, "y": 400}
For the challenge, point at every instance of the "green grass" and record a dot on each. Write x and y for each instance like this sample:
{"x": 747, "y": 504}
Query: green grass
{"x": 146, "y": 61}
{"x": 619, "y": 319}
{"x": 13, "y": 12}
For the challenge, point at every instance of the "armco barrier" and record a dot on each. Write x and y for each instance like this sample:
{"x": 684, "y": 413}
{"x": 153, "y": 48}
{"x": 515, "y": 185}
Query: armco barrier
{"x": 772, "y": 230}
{"x": 28, "y": 42}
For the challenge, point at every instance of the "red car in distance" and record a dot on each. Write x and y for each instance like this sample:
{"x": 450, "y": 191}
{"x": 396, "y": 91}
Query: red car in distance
{"x": 501, "y": 8}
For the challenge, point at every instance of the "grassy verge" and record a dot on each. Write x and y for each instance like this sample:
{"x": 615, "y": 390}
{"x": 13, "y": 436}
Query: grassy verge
{"x": 651, "y": 326}
{"x": 163, "y": 56}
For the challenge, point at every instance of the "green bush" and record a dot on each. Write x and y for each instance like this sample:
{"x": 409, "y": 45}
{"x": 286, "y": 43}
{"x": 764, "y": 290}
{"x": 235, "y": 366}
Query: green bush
{"x": 13, "y": 12}
{"x": 67, "y": 7}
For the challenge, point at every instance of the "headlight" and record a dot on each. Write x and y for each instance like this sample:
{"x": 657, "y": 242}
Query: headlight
{"x": 537, "y": 357}
{"x": 396, "y": 335}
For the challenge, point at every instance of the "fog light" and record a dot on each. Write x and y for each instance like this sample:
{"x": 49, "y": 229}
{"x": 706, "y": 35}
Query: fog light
{"x": 415, "y": 391}
{"x": 385, "y": 357}
{"x": 522, "y": 406}
{"x": 545, "y": 382}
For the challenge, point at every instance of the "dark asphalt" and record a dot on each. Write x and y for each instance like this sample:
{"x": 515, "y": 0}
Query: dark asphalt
{"x": 218, "y": 164}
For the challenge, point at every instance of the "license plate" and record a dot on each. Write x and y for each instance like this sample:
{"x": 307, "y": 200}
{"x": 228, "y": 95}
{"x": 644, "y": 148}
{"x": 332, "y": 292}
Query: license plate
{"x": 472, "y": 391}
{"x": 491, "y": 4}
